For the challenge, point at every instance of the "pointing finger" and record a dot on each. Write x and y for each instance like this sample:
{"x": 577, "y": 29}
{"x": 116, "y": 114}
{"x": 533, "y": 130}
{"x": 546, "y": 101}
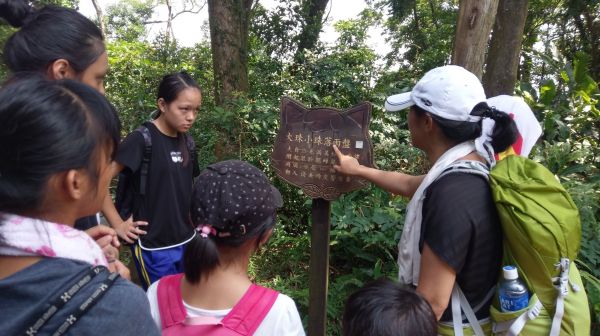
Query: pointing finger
{"x": 337, "y": 152}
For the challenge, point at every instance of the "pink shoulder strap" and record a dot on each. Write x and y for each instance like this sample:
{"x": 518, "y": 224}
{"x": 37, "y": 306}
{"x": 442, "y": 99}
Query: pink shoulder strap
{"x": 250, "y": 311}
{"x": 170, "y": 303}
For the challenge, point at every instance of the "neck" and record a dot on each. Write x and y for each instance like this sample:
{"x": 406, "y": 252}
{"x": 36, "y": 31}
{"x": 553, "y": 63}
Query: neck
{"x": 437, "y": 147}
{"x": 163, "y": 127}
{"x": 435, "y": 153}
{"x": 222, "y": 288}
{"x": 226, "y": 284}
{"x": 56, "y": 215}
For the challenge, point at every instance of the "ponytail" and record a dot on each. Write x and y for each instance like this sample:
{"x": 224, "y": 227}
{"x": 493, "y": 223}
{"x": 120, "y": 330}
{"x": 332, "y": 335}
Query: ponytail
{"x": 505, "y": 130}
{"x": 15, "y": 12}
{"x": 201, "y": 256}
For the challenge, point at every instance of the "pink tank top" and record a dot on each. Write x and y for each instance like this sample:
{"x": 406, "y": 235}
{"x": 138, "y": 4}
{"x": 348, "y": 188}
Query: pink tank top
{"x": 245, "y": 317}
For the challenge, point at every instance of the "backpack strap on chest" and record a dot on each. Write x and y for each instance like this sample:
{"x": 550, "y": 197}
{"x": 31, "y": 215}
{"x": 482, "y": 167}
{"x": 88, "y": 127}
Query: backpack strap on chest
{"x": 245, "y": 317}
{"x": 170, "y": 303}
{"x": 251, "y": 310}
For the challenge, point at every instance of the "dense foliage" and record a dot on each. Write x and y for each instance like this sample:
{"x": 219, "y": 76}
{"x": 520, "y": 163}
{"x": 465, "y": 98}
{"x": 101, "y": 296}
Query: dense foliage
{"x": 558, "y": 83}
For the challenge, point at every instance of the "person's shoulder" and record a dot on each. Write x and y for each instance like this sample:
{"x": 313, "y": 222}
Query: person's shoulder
{"x": 285, "y": 302}
{"x": 130, "y": 299}
{"x": 137, "y": 135}
{"x": 124, "y": 310}
{"x": 458, "y": 182}
{"x": 283, "y": 318}
{"x": 134, "y": 294}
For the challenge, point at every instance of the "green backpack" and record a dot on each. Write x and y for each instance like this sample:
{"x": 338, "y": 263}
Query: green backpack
{"x": 542, "y": 234}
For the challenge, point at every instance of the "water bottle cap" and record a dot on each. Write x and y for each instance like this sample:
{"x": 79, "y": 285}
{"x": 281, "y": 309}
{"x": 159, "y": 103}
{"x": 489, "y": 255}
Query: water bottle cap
{"x": 510, "y": 272}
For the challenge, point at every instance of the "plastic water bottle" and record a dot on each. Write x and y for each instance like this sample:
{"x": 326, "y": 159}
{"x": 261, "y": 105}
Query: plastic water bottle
{"x": 512, "y": 292}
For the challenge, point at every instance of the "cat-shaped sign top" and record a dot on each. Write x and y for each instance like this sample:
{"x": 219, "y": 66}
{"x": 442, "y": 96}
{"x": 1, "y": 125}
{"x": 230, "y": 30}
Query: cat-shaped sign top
{"x": 303, "y": 153}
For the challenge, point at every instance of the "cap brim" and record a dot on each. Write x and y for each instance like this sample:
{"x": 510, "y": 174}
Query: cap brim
{"x": 277, "y": 199}
{"x": 398, "y": 102}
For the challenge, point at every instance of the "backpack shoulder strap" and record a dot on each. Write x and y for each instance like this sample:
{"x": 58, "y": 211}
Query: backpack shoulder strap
{"x": 459, "y": 302}
{"x": 62, "y": 298}
{"x": 191, "y": 144}
{"x": 248, "y": 314}
{"x": 145, "y": 166}
{"x": 170, "y": 303}
{"x": 466, "y": 166}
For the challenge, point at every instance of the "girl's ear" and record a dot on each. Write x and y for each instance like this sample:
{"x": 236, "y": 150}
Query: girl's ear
{"x": 162, "y": 104}
{"x": 265, "y": 238}
{"x": 74, "y": 183}
{"x": 61, "y": 69}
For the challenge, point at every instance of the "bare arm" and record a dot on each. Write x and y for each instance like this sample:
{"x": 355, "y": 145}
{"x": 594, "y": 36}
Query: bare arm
{"x": 128, "y": 230}
{"x": 394, "y": 182}
{"x": 436, "y": 281}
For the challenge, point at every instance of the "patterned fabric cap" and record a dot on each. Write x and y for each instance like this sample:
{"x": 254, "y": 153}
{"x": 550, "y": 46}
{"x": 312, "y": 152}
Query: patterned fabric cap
{"x": 234, "y": 197}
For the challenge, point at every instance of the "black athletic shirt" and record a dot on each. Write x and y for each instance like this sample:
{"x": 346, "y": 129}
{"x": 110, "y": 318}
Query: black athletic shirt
{"x": 168, "y": 188}
{"x": 461, "y": 226}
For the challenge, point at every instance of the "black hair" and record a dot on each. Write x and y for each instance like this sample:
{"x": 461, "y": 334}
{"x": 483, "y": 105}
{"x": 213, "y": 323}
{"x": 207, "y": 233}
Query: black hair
{"x": 50, "y": 127}
{"x": 49, "y": 34}
{"x": 172, "y": 84}
{"x": 202, "y": 255}
{"x": 505, "y": 131}
{"x": 387, "y": 308}
{"x": 169, "y": 88}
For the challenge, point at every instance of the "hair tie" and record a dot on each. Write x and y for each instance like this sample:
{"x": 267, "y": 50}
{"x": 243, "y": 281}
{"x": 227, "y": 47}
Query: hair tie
{"x": 205, "y": 230}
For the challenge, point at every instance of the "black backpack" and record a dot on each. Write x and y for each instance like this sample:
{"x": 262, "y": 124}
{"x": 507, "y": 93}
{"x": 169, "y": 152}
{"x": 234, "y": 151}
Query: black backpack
{"x": 129, "y": 198}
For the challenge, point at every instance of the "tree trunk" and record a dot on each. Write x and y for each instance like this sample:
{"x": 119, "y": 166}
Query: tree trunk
{"x": 475, "y": 20}
{"x": 313, "y": 18}
{"x": 228, "y": 20}
{"x": 100, "y": 17}
{"x": 170, "y": 32}
{"x": 505, "y": 48}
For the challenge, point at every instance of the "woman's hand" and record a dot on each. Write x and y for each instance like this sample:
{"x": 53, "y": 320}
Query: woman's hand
{"x": 129, "y": 230}
{"x": 348, "y": 165}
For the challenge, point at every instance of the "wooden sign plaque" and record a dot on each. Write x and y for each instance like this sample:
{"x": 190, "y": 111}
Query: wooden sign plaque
{"x": 303, "y": 154}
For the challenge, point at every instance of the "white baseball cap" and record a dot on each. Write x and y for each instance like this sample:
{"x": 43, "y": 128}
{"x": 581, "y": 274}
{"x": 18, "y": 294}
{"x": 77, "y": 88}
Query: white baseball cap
{"x": 449, "y": 92}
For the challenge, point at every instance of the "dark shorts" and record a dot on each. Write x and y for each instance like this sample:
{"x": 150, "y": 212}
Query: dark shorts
{"x": 155, "y": 264}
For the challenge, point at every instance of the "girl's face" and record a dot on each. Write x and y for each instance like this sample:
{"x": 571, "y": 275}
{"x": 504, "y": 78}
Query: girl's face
{"x": 95, "y": 74}
{"x": 99, "y": 189}
{"x": 179, "y": 115}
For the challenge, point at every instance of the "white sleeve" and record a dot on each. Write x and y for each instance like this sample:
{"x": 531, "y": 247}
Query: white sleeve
{"x": 152, "y": 295}
{"x": 282, "y": 320}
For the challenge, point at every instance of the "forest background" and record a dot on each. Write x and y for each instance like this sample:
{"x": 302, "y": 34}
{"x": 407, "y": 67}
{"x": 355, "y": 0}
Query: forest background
{"x": 547, "y": 51}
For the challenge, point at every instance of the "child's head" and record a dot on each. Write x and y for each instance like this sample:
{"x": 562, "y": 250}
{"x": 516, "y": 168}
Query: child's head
{"x": 386, "y": 308}
{"x": 55, "y": 41}
{"x": 178, "y": 100}
{"x": 233, "y": 209}
{"x": 54, "y": 131}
